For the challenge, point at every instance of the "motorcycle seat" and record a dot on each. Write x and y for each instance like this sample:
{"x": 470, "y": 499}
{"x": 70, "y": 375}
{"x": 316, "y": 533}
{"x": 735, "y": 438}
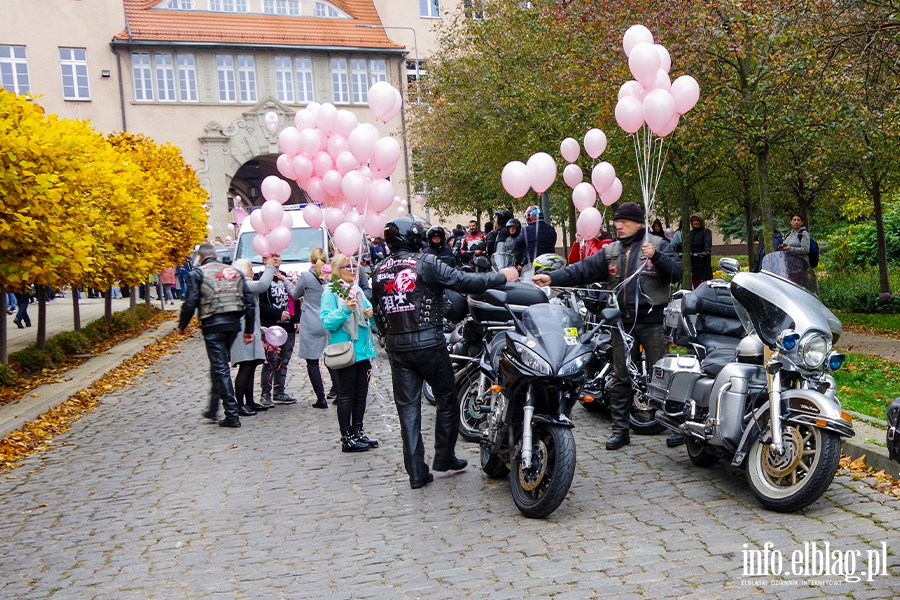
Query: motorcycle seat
{"x": 716, "y": 360}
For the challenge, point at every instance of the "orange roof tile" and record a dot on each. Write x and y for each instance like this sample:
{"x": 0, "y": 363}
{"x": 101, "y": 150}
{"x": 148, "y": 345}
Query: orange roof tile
{"x": 146, "y": 23}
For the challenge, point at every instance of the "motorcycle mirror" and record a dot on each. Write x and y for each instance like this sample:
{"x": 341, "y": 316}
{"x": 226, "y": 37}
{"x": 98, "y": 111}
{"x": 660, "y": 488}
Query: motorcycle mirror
{"x": 729, "y": 265}
{"x": 610, "y": 315}
{"x": 495, "y": 297}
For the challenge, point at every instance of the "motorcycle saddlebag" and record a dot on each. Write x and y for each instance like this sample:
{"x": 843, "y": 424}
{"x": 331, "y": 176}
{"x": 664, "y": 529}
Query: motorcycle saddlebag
{"x": 673, "y": 380}
{"x": 893, "y": 432}
{"x": 519, "y": 296}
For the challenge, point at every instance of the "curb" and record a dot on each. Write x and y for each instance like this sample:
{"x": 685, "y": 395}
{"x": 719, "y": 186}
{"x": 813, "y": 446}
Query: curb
{"x": 876, "y": 456}
{"x": 15, "y": 414}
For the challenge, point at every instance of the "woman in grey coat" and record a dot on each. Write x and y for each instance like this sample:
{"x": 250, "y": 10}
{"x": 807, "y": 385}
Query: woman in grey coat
{"x": 312, "y": 334}
{"x": 248, "y": 356}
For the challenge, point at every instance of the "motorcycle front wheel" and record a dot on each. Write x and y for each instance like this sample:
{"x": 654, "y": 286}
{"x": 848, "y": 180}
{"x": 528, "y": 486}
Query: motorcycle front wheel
{"x": 470, "y": 417}
{"x": 540, "y": 489}
{"x": 428, "y": 394}
{"x": 794, "y": 480}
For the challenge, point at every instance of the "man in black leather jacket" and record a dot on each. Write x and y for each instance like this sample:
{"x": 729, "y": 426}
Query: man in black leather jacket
{"x": 220, "y": 326}
{"x": 407, "y": 294}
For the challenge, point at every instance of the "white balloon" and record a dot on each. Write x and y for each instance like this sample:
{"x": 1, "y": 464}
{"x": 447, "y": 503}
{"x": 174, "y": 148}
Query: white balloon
{"x": 634, "y": 36}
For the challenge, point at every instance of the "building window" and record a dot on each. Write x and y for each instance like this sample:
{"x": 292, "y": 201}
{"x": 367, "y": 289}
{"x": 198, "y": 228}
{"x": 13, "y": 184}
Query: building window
{"x": 247, "y": 78}
{"x": 165, "y": 77}
{"x": 284, "y": 78}
{"x": 474, "y": 9}
{"x": 430, "y": 8}
{"x": 143, "y": 80}
{"x": 14, "y": 69}
{"x": 233, "y": 6}
{"x": 340, "y": 89}
{"x": 282, "y": 7}
{"x": 187, "y": 78}
{"x": 73, "y": 63}
{"x": 303, "y": 68}
{"x": 324, "y": 10}
{"x": 225, "y": 75}
{"x": 180, "y": 5}
{"x": 360, "y": 78}
{"x": 377, "y": 71}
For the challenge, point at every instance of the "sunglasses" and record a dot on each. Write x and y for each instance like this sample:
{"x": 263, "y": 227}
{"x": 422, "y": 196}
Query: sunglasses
{"x": 349, "y": 267}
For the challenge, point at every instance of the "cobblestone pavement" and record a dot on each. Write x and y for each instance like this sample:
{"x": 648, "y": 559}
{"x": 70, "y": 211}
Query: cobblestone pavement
{"x": 144, "y": 499}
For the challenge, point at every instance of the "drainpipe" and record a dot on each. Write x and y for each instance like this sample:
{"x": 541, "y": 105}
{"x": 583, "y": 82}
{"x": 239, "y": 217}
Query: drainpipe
{"x": 121, "y": 88}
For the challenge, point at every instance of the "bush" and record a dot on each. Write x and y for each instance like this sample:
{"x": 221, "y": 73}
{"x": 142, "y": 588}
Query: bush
{"x": 145, "y": 311}
{"x": 72, "y": 342}
{"x": 856, "y": 290}
{"x": 54, "y": 351}
{"x": 7, "y": 375}
{"x": 32, "y": 360}
{"x": 97, "y": 330}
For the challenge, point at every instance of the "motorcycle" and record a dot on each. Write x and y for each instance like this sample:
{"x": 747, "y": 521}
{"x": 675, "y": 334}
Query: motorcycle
{"x": 756, "y": 389}
{"x": 536, "y": 370}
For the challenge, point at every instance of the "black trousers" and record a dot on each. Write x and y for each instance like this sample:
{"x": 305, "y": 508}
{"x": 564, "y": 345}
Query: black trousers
{"x": 650, "y": 336}
{"x": 218, "y": 349}
{"x": 408, "y": 371}
{"x": 352, "y": 392}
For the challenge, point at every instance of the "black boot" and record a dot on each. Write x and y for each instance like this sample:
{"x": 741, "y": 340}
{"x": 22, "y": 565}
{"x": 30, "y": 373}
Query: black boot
{"x": 359, "y": 434}
{"x": 349, "y": 443}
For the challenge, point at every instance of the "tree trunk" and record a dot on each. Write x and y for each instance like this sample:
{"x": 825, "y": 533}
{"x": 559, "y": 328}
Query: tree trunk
{"x": 4, "y": 348}
{"x": 107, "y": 305}
{"x": 132, "y": 301}
{"x": 884, "y": 282}
{"x": 42, "y": 317}
{"x": 765, "y": 200}
{"x": 685, "y": 228}
{"x": 751, "y": 233}
{"x": 573, "y": 222}
{"x": 147, "y": 293}
{"x": 76, "y": 310}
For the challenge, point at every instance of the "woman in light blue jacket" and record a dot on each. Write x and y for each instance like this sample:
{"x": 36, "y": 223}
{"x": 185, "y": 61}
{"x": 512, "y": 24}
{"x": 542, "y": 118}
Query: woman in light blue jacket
{"x": 347, "y": 315}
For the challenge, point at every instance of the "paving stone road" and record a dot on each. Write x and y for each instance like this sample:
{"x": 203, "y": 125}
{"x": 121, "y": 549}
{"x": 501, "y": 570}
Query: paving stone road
{"x": 143, "y": 499}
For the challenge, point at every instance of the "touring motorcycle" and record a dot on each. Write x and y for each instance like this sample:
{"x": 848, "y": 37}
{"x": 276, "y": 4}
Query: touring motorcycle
{"x": 756, "y": 388}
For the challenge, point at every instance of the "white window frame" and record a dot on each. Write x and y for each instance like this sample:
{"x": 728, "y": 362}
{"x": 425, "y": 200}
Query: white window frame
{"x": 325, "y": 10}
{"x": 226, "y": 82}
{"x": 164, "y": 70}
{"x": 142, "y": 76}
{"x": 186, "y": 65}
{"x": 377, "y": 71}
{"x": 180, "y": 5}
{"x": 76, "y": 69}
{"x": 304, "y": 77}
{"x": 284, "y": 79}
{"x": 340, "y": 82}
{"x": 359, "y": 79}
{"x": 246, "y": 66}
{"x": 13, "y": 68}
{"x": 282, "y": 7}
{"x": 229, "y": 6}
{"x": 430, "y": 9}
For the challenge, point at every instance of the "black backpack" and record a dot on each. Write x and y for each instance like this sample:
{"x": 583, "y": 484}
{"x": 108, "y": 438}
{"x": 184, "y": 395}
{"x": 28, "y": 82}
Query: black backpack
{"x": 813, "y": 252}
{"x": 893, "y": 432}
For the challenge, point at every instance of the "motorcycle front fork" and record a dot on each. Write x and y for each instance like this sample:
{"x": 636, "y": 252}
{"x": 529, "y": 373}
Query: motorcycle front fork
{"x": 528, "y": 411}
{"x": 774, "y": 381}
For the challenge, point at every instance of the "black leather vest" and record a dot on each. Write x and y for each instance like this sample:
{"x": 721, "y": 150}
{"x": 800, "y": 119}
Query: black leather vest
{"x": 403, "y": 301}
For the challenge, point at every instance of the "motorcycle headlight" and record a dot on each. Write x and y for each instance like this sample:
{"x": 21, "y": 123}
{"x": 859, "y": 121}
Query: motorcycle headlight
{"x": 813, "y": 350}
{"x": 575, "y": 365}
{"x": 532, "y": 359}
{"x": 787, "y": 339}
{"x": 835, "y": 360}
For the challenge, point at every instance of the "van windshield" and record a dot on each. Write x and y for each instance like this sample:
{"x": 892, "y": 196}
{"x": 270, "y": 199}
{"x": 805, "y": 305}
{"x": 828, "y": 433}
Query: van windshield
{"x": 303, "y": 240}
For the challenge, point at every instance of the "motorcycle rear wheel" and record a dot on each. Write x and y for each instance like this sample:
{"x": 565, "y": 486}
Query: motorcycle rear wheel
{"x": 539, "y": 491}
{"x": 470, "y": 419}
{"x": 798, "y": 478}
{"x": 699, "y": 453}
{"x": 493, "y": 465}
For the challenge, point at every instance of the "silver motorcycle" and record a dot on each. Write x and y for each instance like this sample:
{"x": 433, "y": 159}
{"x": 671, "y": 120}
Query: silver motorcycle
{"x": 756, "y": 387}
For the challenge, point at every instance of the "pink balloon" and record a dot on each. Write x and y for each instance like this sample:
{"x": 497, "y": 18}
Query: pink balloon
{"x": 310, "y": 140}
{"x": 387, "y": 152}
{"x": 381, "y": 99}
{"x": 284, "y": 166}
{"x": 570, "y": 149}
{"x": 272, "y": 189}
{"x": 635, "y": 35}
{"x": 357, "y": 219}
{"x": 365, "y": 172}
{"x": 313, "y": 107}
{"x": 322, "y": 163}
{"x": 331, "y": 182}
{"x": 631, "y": 88}
{"x": 629, "y": 114}
{"x": 289, "y": 141}
{"x": 612, "y": 194}
{"x": 327, "y": 118}
{"x": 516, "y": 179}
{"x": 685, "y": 93}
{"x": 315, "y": 190}
{"x": 286, "y": 192}
{"x": 323, "y": 142}
{"x": 362, "y": 142}
{"x": 279, "y": 239}
{"x": 312, "y": 215}
{"x": 257, "y": 223}
{"x": 302, "y": 166}
{"x": 333, "y": 218}
{"x": 589, "y": 223}
{"x": 347, "y": 122}
{"x": 573, "y": 175}
{"x": 401, "y": 211}
{"x": 345, "y": 162}
{"x": 347, "y": 239}
{"x": 660, "y": 83}
{"x": 261, "y": 245}
{"x": 669, "y": 128}
{"x": 381, "y": 195}
{"x": 276, "y": 335}
{"x": 542, "y": 168}
{"x": 395, "y": 109}
{"x": 644, "y": 63}
{"x": 304, "y": 119}
{"x": 603, "y": 176}
{"x": 584, "y": 196}
{"x": 271, "y": 213}
{"x": 375, "y": 222}
{"x": 595, "y": 142}
{"x": 287, "y": 221}
{"x": 658, "y": 109}
{"x": 355, "y": 187}
{"x": 665, "y": 61}
{"x": 379, "y": 173}
{"x": 336, "y": 145}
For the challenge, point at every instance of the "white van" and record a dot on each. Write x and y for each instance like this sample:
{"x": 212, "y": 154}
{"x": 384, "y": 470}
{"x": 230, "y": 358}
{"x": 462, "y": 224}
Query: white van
{"x": 295, "y": 258}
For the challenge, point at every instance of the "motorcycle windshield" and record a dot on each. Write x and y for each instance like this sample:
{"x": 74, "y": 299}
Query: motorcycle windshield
{"x": 554, "y": 327}
{"x": 780, "y": 297}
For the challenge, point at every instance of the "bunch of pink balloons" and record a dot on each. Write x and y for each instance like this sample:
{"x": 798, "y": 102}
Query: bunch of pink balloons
{"x": 651, "y": 97}
{"x": 537, "y": 174}
{"x": 603, "y": 176}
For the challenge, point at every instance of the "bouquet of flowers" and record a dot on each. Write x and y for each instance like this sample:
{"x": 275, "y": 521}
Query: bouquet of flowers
{"x": 340, "y": 288}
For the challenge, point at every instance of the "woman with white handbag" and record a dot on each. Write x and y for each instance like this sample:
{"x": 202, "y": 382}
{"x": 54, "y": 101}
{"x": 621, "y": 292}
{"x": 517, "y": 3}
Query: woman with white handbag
{"x": 347, "y": 318}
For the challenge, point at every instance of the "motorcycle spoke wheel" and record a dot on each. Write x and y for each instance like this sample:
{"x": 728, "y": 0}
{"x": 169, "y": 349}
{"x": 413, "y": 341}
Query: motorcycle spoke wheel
{"x": 642, "y": 419}
{"x": 470, "y": 418}
{"x": 540, "y": 489}
{"x": 793, "y": 480}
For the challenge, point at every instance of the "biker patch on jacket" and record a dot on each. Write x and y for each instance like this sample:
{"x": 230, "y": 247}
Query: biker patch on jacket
{"x": 221, "y": 291}
{"x": 402, "y": 302}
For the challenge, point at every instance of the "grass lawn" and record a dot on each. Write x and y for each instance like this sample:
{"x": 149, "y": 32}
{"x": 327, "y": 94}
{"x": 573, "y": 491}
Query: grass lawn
{"x": 876, "y": 324}
{"x": 867, "y": 384}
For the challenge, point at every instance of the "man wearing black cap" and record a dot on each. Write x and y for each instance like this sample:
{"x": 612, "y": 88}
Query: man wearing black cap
{"x": 641, "y": 299}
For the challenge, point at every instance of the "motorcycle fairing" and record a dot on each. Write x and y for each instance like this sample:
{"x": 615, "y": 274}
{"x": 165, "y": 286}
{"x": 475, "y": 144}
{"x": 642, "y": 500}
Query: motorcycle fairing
{"x": 552, "y": 324}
